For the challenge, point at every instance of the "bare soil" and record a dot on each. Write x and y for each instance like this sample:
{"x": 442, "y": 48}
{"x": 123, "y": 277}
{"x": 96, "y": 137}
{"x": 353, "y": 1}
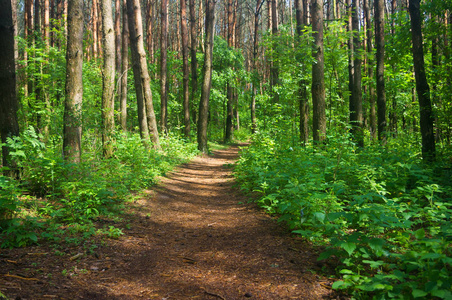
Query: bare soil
{"x": 194, "y": 236}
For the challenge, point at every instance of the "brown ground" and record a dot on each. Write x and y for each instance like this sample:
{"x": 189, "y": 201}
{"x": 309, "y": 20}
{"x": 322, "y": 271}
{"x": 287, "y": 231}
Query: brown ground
{"x": 193, "y": 237}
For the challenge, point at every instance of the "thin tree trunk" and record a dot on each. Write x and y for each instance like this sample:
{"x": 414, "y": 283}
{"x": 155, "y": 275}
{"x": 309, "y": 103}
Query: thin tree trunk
{"x": 95, "y": 31}
{"x": 370, "y": 72}
{"x": 274, "y": 69}
{"x": 356, "y": 103}
{"x": 422, "y": 87}
{"x": 163, "y": 67}
{"x": 207, "y": 82}
{"x": 146, "y": 115}
{"x": 380, "y": 60}
{"x": 124, "y": 66}
{"x": 318, "y": 76}
{"x": 255, "y": 70}
{"x": 72, "y": 128}
{"x": 149, "y": 26}
{"x": 108, "y": 78}
{"x": 118, "y": 35}
{"x": 194, "y": 61}
{"x": 185, "y": 67}
{"x": 302, "y": 88}
{"x": 230, "y": 89}
{"x": 9, "y": 126}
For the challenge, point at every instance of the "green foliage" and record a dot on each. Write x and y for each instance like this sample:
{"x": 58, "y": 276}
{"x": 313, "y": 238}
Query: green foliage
{"x": 66, "y": 198}
{"x": 378, "y": 210}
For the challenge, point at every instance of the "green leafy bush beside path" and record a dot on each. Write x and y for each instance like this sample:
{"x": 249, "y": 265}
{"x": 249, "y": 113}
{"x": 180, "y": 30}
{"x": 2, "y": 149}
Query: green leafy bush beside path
{"x": 378, "y": 210}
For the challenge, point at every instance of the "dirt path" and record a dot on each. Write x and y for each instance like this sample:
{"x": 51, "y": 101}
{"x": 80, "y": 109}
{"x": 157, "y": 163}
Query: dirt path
{"x": 193, "y": 237}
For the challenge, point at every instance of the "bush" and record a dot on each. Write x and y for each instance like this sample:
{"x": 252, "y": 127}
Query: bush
{"x": 381, "y": 212}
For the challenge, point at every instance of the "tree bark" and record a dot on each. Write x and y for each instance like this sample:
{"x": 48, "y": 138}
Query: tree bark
{"x": 422, "y": 87}
{"x": 356, "y": 101}
{"x": 230, "y": 90}
{"x": 108, "y": 78}
{"x": 95, "y": 20}
{"x": 124, "y": 67}
{"x": 370, "y": 71}
{"x": 185, "y": 67}
{"x": 72, "y": 128}
{"x": 318, "y": 77}
{"x": 259, "y": 4}
{"x": 149, "y": 26}
{"x": 146, "y": 115}
{"x": 118, "y": 35}
{"x": 302, "y": 85}
{"x": 380, "y": 60}
{"x": 193, "y": 50}
{"x": 163, "y": 67}
{"x": 207, "y": 82}
{"x": 9, "y": 126}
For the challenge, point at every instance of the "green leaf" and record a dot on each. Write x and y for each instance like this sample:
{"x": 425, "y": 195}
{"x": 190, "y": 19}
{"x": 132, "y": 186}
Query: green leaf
{"x": 336, "y": 285}
{"x": 419, "y": 293}
{"x": 419, "y": 234}
{"x": 349, "y": 247}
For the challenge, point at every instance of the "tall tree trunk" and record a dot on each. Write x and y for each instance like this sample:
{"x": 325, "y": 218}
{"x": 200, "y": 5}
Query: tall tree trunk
{"x": 207, "y": 82}
{"x": 274, "y": 68}
{"x": 255, "y": 70}
{"x": 302, "y": 85}
{"x": 380, "y": 60}
{"x": 72, "y": 128}
{"x": 163, "y": 67}
{"x": 370, "y": 71}
{"x": 422, "y": 87}
{"x": 356, "y": 103}
{"x": 118, "y": 35}
{"x": 149, "y": 26}
{"x": 185, "y": 67}
{"x": 230, "y": 89}
{"x": 146, "y": 115}
{"x": 124, "y": 66}
{"x": 46, "y": 23}
{"x": 193, "y": 50}
{"x": 108, "y": 78}
{"x": 9, "y": 125}
{"x": 95, "y": 19}
{"x": 318, "y": 76}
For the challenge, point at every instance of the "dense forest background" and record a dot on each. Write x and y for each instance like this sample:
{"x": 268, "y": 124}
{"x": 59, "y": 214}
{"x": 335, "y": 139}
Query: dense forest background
{"x": 347, "y": 105}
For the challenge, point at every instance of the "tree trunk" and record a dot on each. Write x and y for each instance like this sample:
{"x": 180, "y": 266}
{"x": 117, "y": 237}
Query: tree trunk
{"x": 318, "y": 77}
{"x": 370, "y": 72}
{"x": 422, "y": 87}
{"x": 194, "y": 61}
{"x": 356, "y": 103}
{"x": 95, "y": 19}
{"x": 380, "y": 60}
{"x": 124, "y": 66}
{"x": 108, "y": 78}
{"x": 274, "y": 68}
{"x": 185, "y": 67}
{"x": 207, "y": 82}
{"x": 9, "y": 125}
{"x": 146, "y": 115}
{"x": 302, "y": 85}
{"x": 255, "y": 70}
{"x": 149, "y": 26}
{"x": 72, "y": 130}
{"x": 230, "y": 89}
{"x": 163, "y": 67}
{"x": 118, "y": 35}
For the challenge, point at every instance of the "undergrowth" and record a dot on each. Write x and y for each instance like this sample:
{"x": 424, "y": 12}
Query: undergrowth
{"x": 380, "y": 211}
{"x": 57, "y": 201}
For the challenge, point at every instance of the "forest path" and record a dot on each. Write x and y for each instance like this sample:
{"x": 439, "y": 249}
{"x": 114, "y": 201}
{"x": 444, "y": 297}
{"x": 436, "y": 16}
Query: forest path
{"x": 194, "y": 236}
